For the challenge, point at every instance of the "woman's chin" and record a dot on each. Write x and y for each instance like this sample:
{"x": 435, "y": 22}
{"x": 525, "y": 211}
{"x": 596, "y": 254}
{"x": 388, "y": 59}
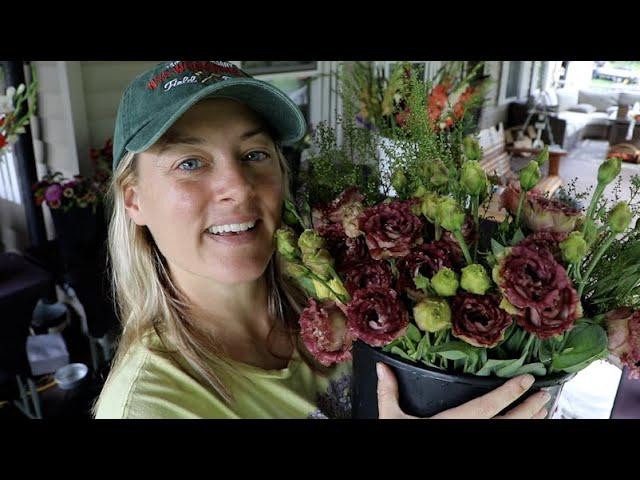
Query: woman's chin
{"x": 237, "y": 270}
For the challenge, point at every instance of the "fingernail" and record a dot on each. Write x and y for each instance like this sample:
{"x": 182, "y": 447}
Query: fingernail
{"x": 380, "y": 370}
{"x": 545, "y": 397}
{"x": 527, "y": 381}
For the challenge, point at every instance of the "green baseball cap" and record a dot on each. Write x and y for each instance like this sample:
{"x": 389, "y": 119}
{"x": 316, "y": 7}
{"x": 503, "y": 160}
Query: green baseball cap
{"x": 154, "y": 100}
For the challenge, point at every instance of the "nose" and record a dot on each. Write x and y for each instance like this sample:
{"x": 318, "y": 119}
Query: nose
{"x": 233, "y": 183}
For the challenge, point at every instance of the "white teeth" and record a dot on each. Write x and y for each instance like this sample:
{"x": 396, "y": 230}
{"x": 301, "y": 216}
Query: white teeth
{"x": 234, "y": 227}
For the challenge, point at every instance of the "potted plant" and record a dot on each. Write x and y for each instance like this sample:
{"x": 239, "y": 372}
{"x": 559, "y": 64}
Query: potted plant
{"x": 454, "y": 304}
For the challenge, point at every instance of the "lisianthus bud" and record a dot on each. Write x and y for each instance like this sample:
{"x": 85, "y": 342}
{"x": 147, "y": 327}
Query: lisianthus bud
{"x": 609, "y": 170}
{"x": 429, "y": 205}
{"x": 398, "y": 180}
{"x": 331, "y": 290}
{"x": 310, "y": 241}
{"x": 445, "y": 282}
{"x": 543, "y": 156}
{"x": 350, "y": 214}
{"x": 449, "y": 214}
{"x": 530, "y": 176}
{"x": 320, "y": 262}
{"x": 472, "y": 148}
{"x": 286, "y": 243}
{"x": 619, "y": 217}
{"x": 474, "y": 178}
{"x": 475, "y": 279}
{"x": 439, "y": 174}
{"x": 574, "y": 247}
{"x": 294, "y": 269}
{"x": 419, "y": 192}
{"x": 432, "y": 314}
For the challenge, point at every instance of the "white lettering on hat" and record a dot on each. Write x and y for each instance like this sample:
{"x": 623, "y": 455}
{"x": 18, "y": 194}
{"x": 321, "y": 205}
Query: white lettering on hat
{"x": 176, "y": 83}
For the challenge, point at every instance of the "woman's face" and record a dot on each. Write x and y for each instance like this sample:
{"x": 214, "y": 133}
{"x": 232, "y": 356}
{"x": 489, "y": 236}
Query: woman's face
{"x": 216, "y": 169}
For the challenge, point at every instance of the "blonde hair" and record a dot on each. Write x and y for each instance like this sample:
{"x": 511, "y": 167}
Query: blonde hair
{"x": 147, "y": 299}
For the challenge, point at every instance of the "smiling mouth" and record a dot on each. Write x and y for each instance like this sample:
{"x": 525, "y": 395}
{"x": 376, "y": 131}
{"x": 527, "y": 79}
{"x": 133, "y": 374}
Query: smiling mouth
{"x": 231, "y": 233}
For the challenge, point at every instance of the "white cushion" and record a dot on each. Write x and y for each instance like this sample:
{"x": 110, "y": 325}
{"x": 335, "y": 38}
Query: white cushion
{"x": 600, "y": 100}
{"x": 628, "y": 98}
{"x": 583, "y": 108}
{"x": 566, "y": 98}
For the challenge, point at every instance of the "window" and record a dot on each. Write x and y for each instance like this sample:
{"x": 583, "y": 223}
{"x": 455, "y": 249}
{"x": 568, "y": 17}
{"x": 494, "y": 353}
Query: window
{"x": 9, "y": 189}
{"x": 513, "y": 80}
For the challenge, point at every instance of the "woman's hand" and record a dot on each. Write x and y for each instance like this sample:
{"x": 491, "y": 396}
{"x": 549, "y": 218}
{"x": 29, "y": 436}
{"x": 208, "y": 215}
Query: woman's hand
{"x": 486, "y": 406}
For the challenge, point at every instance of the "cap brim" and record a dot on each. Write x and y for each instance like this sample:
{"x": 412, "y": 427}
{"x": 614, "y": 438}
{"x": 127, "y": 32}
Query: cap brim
{"x": 269, "y": 102}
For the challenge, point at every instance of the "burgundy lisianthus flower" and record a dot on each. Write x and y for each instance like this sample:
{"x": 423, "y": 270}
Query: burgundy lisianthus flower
{"x": 346, "y": 251}
{"x": 539, "y": 212}
{"x": 53, "y": 193}
{"x": 367, "y": 274}
{"x": 377, "y": 316}
{"x": 426, "y": 260}
{"x": 547, "y": 241}
{"x": 478, "y": 319}
{"x": 623, "y": 328}
{"x": 470, "y": 235}
{"x": 334, "y": 212}
{"x": 535, "y": 283}
{"x": 323, "y": 329}
{"x": 391, "y": 229}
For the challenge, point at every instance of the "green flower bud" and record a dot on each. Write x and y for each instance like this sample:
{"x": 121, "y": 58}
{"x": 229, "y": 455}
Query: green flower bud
{"x": 543, "y": 156}
{"x": 310, "y": 241}
{"x": 619, "y": 217}
{"x": 286, "y": 243}
{"x": 445, "y": 282}
{"x": 429, "y": 205}
{"x": 398, "y": 180}
{"x": 508, "y": 307}
{"x": 475, "y": 279}
{"x": 294, "y": 269}
{"x": 419, "y": 192}
{"x": 609, "y": 170}
{"x": 530, "y": 176}
{"x": 472, "y": 148}
{"x": 319, "y": 262}
{"x": 449, "y": 214}
{"x": 432, "y": 314}
{"x": 439, "y": 174}
{"x": 574, "y": 247}
{"x": 473, "y": 178}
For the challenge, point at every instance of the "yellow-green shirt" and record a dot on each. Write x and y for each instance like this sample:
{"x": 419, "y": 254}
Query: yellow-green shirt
{"x": 149, "y": 384}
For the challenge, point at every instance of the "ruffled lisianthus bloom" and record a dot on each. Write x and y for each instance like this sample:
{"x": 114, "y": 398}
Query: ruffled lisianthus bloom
{"x": 478, "y": 319}
{"x": 371, "y": 273}
{"x": 324, "y": 332}
{"x": 377, "y": 316}
{"x": 344, "y": 209}
{"x": 426, "y": 260}
{"x": 545, "y": 240}
{"x": 347, "y": 252}
{"x": 533, "y": 282}
{"x": 391, "y": 229}
{"x": 623, "y": 328}
{"x": 539, "y": 212}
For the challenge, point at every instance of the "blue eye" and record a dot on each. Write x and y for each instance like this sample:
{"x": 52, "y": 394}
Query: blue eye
{"x": 190, "y": 164}
{"x": 256, "y": 156}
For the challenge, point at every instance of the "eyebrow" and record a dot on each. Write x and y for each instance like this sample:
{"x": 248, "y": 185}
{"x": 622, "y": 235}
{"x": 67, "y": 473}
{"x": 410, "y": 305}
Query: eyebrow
{"x": 170, "y": 142}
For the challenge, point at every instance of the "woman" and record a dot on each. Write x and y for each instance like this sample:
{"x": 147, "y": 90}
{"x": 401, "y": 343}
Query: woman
{"x": 210, "y": 325}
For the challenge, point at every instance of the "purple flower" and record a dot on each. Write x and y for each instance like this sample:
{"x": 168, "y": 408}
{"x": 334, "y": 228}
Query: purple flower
{"x": 53, "y": 193}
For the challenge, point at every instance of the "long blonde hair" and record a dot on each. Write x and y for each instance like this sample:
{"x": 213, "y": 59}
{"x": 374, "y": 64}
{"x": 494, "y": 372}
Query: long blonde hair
{"x": 147, "y": 299}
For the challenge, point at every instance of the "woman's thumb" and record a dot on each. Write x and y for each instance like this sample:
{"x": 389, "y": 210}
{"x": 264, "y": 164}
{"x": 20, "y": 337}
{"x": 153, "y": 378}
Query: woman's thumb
{"x": 387, "y": 393}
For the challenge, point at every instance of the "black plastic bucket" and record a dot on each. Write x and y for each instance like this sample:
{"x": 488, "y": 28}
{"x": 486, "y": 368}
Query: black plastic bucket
{"x": 426, "y": 391}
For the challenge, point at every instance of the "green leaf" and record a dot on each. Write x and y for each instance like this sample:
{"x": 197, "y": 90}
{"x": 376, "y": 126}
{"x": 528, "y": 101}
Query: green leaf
{"x": 455, "y": 350}
{"x": 517, "y": 237}
{"x": 492, "y": 366}
{"x": 585, "y": 343}
{"x": 401, "y": 353}
{"x": 413, "y": 333}
{"x": 536, "y": 368}
{"x": 496, "y": 247}
{"x": 422, "y": 282}
{"x": 513, "y": 343}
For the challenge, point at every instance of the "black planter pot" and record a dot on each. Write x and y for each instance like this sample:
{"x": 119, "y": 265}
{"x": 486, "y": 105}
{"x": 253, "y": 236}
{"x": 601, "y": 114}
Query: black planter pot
{"x": 80, "y": 234}
{"x": 426, "y": 391}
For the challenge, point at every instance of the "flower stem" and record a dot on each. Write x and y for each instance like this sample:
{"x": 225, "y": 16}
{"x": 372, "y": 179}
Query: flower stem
{"x": 438, "y": 230}
{"x": 594, "y": 261}
{"x": 475, "y": 200}
{"x": 458, "y": 235}
{"x": 592, "y": 206}
{"x": 532, "y": 337}
{"x": 523, "y": 195}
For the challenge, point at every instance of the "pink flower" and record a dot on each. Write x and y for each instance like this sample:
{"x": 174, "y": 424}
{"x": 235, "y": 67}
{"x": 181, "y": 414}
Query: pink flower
{"x": 53, "y": 193}
{"x": 324, "y": 332}
{"x": 541, "y": 213}
{"x": 391, "y": 229}
{"x": 377, "y": 316}
{"x": 532, "y": 281}
{"x": 623, "y": 328}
